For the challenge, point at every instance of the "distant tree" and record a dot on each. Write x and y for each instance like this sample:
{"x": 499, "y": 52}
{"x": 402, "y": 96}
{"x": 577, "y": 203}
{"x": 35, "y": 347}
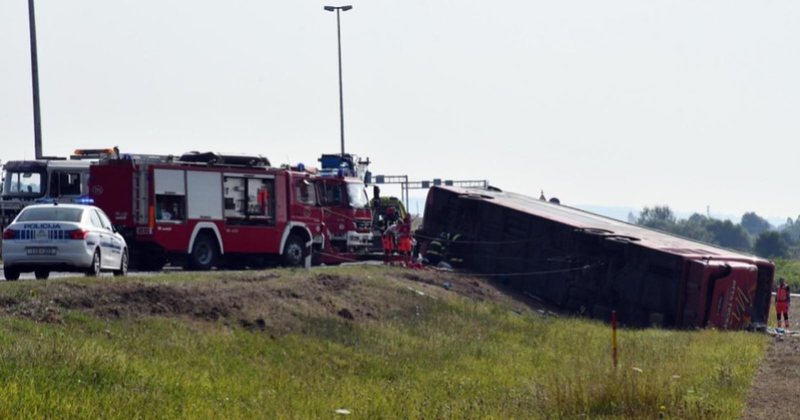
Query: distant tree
{"x": 659, "y": 217}
{"x": 788, "y": 238}
{"x": 698, "y": 219}
{"x": 694, "y": 229}
{"x": 771, "y": 245}
{"x": 729, "y": 235}
{"x": 755, "y": 224}
{"x": 631, "y": 217}
{"x": 791, "y": 230}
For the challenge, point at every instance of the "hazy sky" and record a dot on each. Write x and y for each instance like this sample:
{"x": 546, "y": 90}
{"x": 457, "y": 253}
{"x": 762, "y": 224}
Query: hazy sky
{"x": 618, "y": 103}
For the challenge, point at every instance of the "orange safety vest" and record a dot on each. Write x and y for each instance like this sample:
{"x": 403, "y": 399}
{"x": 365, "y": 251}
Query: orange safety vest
{"x": 404, "y": 244}
{"x": 782, "y": 295}
{"x": 388, "y": 242}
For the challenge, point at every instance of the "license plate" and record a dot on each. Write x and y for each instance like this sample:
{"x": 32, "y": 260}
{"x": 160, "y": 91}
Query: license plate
{"x": 41, "y": 250}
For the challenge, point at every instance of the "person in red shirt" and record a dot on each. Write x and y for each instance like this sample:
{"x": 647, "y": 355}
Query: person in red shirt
{"x": 263, "y": 200}
{"x": 405, "y": 243}
{"x": 782, "y": 300}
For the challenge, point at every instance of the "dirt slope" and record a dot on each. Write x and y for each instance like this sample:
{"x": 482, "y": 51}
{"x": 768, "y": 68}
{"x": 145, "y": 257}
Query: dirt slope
{"x": 276, "y": 300}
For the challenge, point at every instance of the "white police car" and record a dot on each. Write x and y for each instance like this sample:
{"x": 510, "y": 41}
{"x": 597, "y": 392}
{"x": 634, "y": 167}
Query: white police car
{"x": 62, "y": 237}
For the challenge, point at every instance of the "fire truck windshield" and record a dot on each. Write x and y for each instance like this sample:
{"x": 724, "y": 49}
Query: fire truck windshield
{"x": 357, "y": 195}
{"x": 23, "y": 184}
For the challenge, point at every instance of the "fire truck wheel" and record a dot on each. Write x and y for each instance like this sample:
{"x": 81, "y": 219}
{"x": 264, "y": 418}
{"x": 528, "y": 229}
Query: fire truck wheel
{"x": 123, "y": 265}
{"x": 41, "y": 274}
{"x": 94, "y": 269}
{"x": 204, "y": 253}
{"x": 293, "y": 251}
{"x": 10, "y": 273}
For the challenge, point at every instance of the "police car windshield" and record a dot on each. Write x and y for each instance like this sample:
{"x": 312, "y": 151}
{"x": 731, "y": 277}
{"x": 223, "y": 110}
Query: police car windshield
{"x": 50, "y": 214}
{"x": 357, "y": 195}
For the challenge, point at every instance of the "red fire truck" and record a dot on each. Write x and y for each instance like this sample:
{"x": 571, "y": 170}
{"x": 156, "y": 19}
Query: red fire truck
{"x": 203, "y": 209}
{"x": 347, "y": 217}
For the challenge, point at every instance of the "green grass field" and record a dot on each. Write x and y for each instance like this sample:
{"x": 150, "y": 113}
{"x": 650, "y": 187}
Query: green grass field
{"x": 435, "y": 354}
{"x": 790, "y": 270}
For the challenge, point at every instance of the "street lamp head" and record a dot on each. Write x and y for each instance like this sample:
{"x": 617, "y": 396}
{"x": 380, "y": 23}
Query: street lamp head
{"x": 334, "y": 8}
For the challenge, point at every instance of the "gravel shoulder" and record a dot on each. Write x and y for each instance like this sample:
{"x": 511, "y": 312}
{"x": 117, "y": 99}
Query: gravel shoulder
{"x": 775, "y": 392}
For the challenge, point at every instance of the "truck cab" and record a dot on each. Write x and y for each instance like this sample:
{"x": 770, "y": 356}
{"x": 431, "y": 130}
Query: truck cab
{"x": 346, "y": 213}
{"x": 28, "y": 181}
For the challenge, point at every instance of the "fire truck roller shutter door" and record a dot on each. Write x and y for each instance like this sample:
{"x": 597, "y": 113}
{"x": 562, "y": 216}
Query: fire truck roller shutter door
{"x": 170, "y": 194}
{"x": 169, "y": 181}
{"x": 204, "y": 190}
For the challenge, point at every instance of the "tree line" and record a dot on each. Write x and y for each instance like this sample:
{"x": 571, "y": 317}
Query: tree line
{"x": 752, "y": 234}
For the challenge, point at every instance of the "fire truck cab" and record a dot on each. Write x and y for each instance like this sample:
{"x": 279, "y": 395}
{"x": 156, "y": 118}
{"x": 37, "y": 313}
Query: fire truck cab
{"x": 346, "y": 211}
{"x": 204, "y": 209}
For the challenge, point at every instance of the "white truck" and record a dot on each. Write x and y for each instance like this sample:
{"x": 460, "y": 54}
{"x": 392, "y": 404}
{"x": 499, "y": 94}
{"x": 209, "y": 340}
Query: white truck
{"x": 25, "y": 182}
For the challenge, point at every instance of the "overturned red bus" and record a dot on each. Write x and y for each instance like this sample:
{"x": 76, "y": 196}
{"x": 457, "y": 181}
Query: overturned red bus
{"x": 591, "y": 264}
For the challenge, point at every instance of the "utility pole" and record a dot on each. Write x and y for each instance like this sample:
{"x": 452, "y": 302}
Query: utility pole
{"x": 337, "y": 9}
{"x": 37, "y": 119}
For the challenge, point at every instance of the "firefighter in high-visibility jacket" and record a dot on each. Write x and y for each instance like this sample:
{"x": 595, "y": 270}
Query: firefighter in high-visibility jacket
{"x": 455, "y": 251}
{"x": 435, "y": 252}
{"x": 783, "y": 298}
{"x": 446, "y": 248}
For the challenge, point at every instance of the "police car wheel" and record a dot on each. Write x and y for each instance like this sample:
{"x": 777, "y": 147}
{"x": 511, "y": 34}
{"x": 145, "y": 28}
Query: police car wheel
{"x": 123, "y": 265}
{"x": 293, "y": 251}
{"x": 41, "y": 274}
{"x": 94, "y": 269}
{"x": 10, "y": 274}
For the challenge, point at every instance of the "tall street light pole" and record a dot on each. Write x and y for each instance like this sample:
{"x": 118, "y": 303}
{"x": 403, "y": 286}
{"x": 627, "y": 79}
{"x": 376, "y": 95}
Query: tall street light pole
{"x": 37, "y": 120}
{"x": 337, "y": 9}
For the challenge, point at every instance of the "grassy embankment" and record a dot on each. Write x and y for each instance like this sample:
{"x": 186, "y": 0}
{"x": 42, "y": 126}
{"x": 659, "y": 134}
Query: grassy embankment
{"x": 403, "y": 349}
